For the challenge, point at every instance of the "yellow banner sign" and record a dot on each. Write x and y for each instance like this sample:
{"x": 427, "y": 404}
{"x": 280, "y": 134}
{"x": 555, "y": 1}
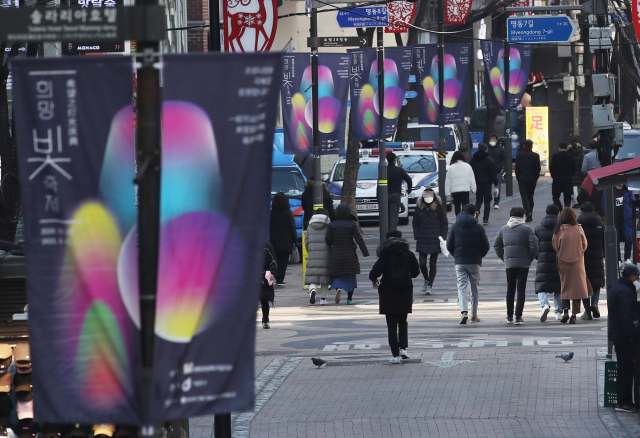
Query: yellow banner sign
{"x": 538, "y": 132}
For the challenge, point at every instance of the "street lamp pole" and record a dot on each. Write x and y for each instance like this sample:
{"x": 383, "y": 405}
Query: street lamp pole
{"x": 442, "y": 145}
{"x": 383, "y": 189}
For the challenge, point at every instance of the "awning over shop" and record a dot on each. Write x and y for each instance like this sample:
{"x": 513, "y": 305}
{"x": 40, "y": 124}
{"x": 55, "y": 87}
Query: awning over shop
{"x": 610, "y": 176}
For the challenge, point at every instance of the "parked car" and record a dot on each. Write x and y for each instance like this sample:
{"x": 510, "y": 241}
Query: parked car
{"x": 456, "y": 137}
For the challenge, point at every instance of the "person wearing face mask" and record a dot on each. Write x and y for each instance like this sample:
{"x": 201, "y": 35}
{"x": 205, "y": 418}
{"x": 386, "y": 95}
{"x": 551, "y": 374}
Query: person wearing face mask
{"x": 623, "y": 219}
{"x": 622, "y": 303}
{"x": 496, "y": 152}
{"x": 429, "y": 225}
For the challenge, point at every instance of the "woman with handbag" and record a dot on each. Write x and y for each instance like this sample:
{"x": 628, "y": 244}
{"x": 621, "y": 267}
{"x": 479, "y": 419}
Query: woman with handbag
{"x": 429, "y": 225}
{"x": 267, "y": 294}
{"x": 282, "y": 233}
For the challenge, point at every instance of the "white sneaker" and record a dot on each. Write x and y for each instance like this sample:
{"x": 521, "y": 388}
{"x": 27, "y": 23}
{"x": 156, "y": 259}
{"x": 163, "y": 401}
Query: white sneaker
{"x": 496, "y": 206}
{"x": 403, "y": 353}
{"x": 558, "y": 316}
{"x": 395, "y": 360}
{"x": 544, "y": 313}
{"x": 312, "y": 295}
{"x": 323, "y": 301}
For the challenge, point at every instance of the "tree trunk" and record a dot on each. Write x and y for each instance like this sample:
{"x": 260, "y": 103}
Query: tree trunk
{"x": 351, "y": 167}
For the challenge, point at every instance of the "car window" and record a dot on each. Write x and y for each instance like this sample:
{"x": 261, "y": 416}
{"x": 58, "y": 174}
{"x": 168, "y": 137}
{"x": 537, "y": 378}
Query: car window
{"x": 368, "y": 170}
{"x": 417, "y": 163}
{"x": 630, "y": 148}
{"x": 288, "y": 180}
{"x": 432, "y": 133}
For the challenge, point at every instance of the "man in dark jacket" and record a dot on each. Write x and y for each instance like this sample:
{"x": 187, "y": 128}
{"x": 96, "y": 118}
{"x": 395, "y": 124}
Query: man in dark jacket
{"x": 468, "y": 243}
{"x": 593, "y": 228}
{"x": 527, "y": 174}
{"x": 562, "y": 169}
{"x": 484, "y": 170}
{"x": 623, "y": 321}
{"x": 307, "y": 202}
{"x": 547, "y": 275}
{"x": 497, "y": 154}
{"x": 577, "y": 152}
{"x": 398, "y": 265}
{"x": 395, "y": 176}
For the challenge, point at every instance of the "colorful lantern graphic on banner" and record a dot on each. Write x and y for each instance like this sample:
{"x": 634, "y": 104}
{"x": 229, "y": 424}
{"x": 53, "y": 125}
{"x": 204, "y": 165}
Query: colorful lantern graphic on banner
{"x": 519, "y": 63}
{"x": 452, "y": 87}
{"x": 457, "y": 11}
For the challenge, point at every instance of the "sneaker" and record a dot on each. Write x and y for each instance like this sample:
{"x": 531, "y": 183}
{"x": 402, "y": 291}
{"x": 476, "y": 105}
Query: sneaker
{"x": 265, "y": 325}
{"x": 403, "y": 353}
{"x": 350, "y": 303}
{"x": 595, "y": 312}
{"x": 529, "y": 218}
{"x": 338, "y": 292}
{"x": 395, "y": 360}
{"x": 558, "y": 316}
{"x": 485, "y": 221}
{"x": 425, "y": 286}
{"x": 323, "y": 301}
{"x": 626, "y": 408}
{"x": 429, "y": 291}
{"x": 281, "y": 284}
{"x": 519, "y": 321}
{"x": 586, "y": 316}
{"x": 572, "y": 320}
{"x": 496, "y": 206}
{"x": 464, "y": 318}
{"x": 312, "y": 296}
{"x": 475, "y": 319}
{"x": 565, "y": 318}
{"x": 544, "y": 313}
{"x": 509, "y": 320}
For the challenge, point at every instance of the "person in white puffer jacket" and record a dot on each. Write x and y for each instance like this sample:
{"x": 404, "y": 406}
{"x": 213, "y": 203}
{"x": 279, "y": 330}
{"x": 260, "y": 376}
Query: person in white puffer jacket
{"x": 460, "y": 181}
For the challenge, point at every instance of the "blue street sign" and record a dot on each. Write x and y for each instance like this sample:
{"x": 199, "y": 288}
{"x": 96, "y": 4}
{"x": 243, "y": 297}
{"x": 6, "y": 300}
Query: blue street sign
{"x": 372, "y": 16}
{"x": 411, "y": 94}
{"x": 412, "y": 79}
{"x": 540, "y": 29}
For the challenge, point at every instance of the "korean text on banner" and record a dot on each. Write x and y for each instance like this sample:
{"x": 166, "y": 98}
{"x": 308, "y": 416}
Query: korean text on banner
{"x": 216, "y": 161}
{"x": 519, "y": 65}
{"x": 457, "y": 62}
{"x": 297, "y": 105}
{"x": 79, "y": 208}
{"x": 538, "y": 132}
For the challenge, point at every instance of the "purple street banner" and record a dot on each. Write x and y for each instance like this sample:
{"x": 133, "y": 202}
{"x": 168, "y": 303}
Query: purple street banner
{"x": 365, "y": 114}
{"x": 216, "y": 168}
{"x": 297, "y": 105}
{"x": 519, "y": 65}
{"x": 457, "y": 62}
{"x": 72, "y": 117}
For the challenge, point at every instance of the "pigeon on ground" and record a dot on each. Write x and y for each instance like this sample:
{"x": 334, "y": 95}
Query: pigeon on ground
{"x": 566, "y": 356}
{"x": 318, "y": 362}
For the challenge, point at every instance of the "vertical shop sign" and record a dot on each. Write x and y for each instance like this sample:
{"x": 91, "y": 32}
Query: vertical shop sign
{"x": 538, "y": 132}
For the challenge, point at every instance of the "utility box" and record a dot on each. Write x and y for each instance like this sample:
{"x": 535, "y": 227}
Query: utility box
{"x": 618, "y": 133}
{"x": 604, "y": 85}
{"x": 569, "y": 83}
{"x": 602, "y": 116}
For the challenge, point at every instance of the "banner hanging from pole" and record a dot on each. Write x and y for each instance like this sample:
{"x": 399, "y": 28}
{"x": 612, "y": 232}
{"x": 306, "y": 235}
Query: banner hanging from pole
{"x": 457, "y": 63}
{"x": 297, "y": 105}
{"x": 84, "y": 342}
{"x": 538, "y": 132}
{"x": 519, "y": 65}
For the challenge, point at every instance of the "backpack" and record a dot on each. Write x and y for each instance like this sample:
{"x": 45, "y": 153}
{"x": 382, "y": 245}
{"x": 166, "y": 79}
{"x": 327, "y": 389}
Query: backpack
{"x": 398, "y": 275}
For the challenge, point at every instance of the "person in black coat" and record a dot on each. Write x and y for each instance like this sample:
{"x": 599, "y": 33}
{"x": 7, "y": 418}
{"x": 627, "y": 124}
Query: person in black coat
{"x": 344, "y": 264}
{"x": 484, "y": 170}
{"x": 269, "y": 271}
{"x": 497, "y": 154}
{"x": 395, "y": 176}
{"x": 429, "y": 225}
{"x": 562, "y": 169}
{"x": 547, "y": 275}
{"x": 593, "y": 228}
{"x": 307, "y": 202}
{"x": 577, "y": 152}
{"x": 623, "y": 318}
{"x": 397, "y": 265}
{"x": 527, "y": 174}
{"x": 282, "y": 233}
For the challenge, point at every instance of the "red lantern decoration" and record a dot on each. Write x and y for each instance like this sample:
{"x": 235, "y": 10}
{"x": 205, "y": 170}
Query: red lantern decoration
{"x": 457, "y": 11}
{"x": 401, "y": 14}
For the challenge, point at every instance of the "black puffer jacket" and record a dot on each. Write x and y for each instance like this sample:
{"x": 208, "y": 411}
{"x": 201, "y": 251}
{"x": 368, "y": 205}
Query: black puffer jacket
{"x": 578, "y": 156}
{"x": 394, "y": 299}
{"x": 282, "y": 230}
{"x": 484, "y": 169}
{"x": 429, "y": 223}
{"x": 498, "y": 155}
{"x": 593, "y": 228}
{"x": 269, "y": 264}
{"x": 306, "y": 200}
{"x": 467, "y": 241}
{"x": 547, "y": 276}
{"x": 341, "y": 234}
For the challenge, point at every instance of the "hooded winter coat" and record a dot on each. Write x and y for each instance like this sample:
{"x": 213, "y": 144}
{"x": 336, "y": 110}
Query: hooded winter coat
{"x": 429, "y": 223}
{"x": 622, "y": 305}
{"x": 570, "y": 243}
{"x": 590, "y": 162}
{"x": 460, "y": 178}
{"x": 484, "y": 169}
{"x": 627, "y": 202}
{"x": 547, "y": 275}
{"x": 340, "y": 236}
{"x": 578, "y": 156}
{"x": 500, "y": 125}
{"x": 593, "y": 228}
{"x": 282, "y": 230}
{"x": 516, "y": 244}
{"x": 467, "y": 241}
{"x": 497, "y": 154}
{"x": 394, "y": 299}
{"x": 318, "y": 252}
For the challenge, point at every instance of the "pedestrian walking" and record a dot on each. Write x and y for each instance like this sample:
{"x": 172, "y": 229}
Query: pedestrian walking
{"x": 500, "y": 124}
{"x": 591, "y": 160}
{"x": 570, "y": 243}
{"x": 517, "y": 246}
{"x": 497, "y": 154}
{"x": 623, "y": 320}
{"x": 520, "y": 127}
{"x": 306, "y": 200}
{"x": 623, "y": 219}
{"x": 395, "y": 176}
{"x": 578, "y": 153}
{"x": 547, "y": 275}
{"x": 460, "y": 181}
{"x": 267, "y": 294}
{"x": 317, "y": 274}
{"x": 343, "y": 262}
{"x": 593, "y": 229}
{"x": 468, "y": 243}
{"x": 484, "y": 170}
{"x": 430, "y": 224}
{"x": 527, "y": 174}
{"x": 397, "y": 265}
{"x": 282, "y": 233}
{"x": 562, "y": 169}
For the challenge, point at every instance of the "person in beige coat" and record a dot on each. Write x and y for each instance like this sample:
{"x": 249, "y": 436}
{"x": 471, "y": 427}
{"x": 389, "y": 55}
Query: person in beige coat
{"x": 570, "y": 243}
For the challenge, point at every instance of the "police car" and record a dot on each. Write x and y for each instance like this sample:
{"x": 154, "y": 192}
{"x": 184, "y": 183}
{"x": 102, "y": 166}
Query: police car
{"x": 366, "y": 187}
